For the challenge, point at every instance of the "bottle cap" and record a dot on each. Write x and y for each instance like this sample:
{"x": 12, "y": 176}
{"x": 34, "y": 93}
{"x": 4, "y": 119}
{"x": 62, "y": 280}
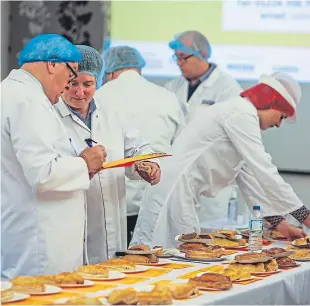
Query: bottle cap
{"x": 256, "y": 207}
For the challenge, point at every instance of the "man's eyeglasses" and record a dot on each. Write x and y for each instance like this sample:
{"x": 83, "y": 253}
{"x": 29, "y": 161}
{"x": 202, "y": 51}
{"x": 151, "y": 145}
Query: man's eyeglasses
{"x": 73, "y": 74}
{"x": 181, "y": 59}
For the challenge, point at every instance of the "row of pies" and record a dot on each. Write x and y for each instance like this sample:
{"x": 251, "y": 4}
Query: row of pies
{"x": 101, "y": 270}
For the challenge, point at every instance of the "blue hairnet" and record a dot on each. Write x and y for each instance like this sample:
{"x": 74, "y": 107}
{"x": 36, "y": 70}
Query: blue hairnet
{"x": 92, "y": 63}
{"x": 199, "y": 44}
{"x": 120, "y": 57}
{"x": 49, "y": 48}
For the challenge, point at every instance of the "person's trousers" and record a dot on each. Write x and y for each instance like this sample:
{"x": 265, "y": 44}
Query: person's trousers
{"x": 131, "y": 223}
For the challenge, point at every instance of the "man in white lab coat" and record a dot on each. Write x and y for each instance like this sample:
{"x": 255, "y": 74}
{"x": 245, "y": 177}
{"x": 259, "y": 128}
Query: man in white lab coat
{"x": 154, "y": 110}
{"x": 201, "y": 84}
{"x": 42, "y": 178}
{"x": 90, "y": 122}
{"x": 223, "y": 143}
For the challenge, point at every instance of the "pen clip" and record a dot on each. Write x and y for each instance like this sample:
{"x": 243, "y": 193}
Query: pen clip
{"x": 90, "y": 142}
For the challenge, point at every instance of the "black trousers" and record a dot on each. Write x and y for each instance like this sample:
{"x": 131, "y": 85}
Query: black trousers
{"x": 131, "y": 223}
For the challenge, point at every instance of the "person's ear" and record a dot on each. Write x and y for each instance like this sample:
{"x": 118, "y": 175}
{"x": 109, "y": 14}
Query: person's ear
{"x": 51, "y": 67}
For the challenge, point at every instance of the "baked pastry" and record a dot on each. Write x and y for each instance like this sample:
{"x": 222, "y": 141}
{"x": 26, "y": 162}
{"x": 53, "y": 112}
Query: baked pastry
{"x": 277, "y": 235}
{"x": 224, "y": 242}
{"x": 139, "y": 247}
{"x": 143, "y": 166}
{"x": 69, "y": 278}
{"x": 119, "y": 264}
{"x": 227, "y": 233}
{"x": 138, "y": 259}
{"x": 271, "y": 265}
{"x": 204, "y": 236}
{"x": 232, "y": 274}
{"x": 27, "y": 284}
{"x": 127, "y": 296}
{"x": 303, "y": 241}
{"x": 203, "y": 254}
{"x": 285, "y": 262}
{"x": 48, "y": 279}
{"x": 83, "y": 301}
{"x": 160, "y": 250}
{"x": 94, "y": 271}
{"x": 259, "y": 267}
{"x": 216, "y": 269}
{"x": 211, "y": 281}
{"x": 6, "y": 292}
{"x": 155, "y": 297}
{"x": 244, "y": 274}
{"x": 301, "y": 254}
{"x": 251, "y": 256}
{"x": 153, "y": 258}
{"x": 189, "y": 236}
{"x": 274, "y": 251}
{"x": 192, "y": 246}
{"x": 183, "y": 291}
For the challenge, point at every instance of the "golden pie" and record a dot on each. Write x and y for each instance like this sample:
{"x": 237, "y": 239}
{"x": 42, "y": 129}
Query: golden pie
{"x": 27, "y": 284}
{"x": 192, "y": 246}
{"x": 126, "y": 296}
{"x": 303, "y": 241}
{"x": 189, "y": 236}
{"x": 271, "y": 265}
{"x": 183, "y": 291}
{"x": 232, "y": 274}
{"x": 155, "y": 297}
{"x": 203, "y": 254}
{"x": 138, "y": 259}
{"x": 303, "y": 254}
{"x": 160, "y": 250}
{"x": 285, "y": 261}
{"x": 250, "y": 256}
{"x": 274, "y": 251}
{"x": 139, "y": 247}
{"x": 6, "y": 295}
{"x": 94, "y": 271}
{"x": 211, "y": 281}
{"x": 119, "y": 264}
{"x": 227, "y": 233}
{"x": 224, "y": 242}
{"x": 248, "y": 267}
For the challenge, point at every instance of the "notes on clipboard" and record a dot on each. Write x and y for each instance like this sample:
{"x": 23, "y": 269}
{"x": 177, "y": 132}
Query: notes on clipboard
{"x": 127, "y": 162}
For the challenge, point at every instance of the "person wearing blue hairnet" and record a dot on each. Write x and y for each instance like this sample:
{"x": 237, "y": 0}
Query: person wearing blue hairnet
{"x": 154, "y": 110}
{"x": 90, "y": 122}
{"x": 201, "y": 84}
{"x": 43, "y": 179}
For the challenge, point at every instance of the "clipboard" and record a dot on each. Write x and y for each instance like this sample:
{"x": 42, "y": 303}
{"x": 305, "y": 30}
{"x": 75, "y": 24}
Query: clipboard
{"x": 127, "y": 162}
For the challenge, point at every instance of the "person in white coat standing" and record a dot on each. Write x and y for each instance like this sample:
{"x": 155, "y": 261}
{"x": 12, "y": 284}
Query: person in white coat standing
{"x": 154, "y": 110}
{"x": 223, "y": 143}
{"x": 89, "y": 122}
{"x": 43, "y": 180}
{"x": 201, "y": 84}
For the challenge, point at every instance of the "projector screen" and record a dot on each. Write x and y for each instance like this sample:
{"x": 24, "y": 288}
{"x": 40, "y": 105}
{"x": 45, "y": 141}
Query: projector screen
{"x": 248, "y": 38}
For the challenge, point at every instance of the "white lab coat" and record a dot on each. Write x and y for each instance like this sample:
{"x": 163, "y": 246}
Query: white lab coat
{"x": 222, "y": 144}
{"x": 155, "y": 112}
{"x": 218, "y": 87}
{"x": 43, "y": 184}
{"x": 106, "y": 206}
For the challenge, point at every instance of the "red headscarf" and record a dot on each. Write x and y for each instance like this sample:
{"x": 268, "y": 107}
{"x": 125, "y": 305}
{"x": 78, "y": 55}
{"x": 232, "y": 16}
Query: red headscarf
{"x": 264, "y": 97}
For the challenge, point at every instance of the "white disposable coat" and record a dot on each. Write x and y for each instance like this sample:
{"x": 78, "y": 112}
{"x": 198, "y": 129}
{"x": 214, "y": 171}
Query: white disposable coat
{"x": 43, "y": 184}
{"x": 222, "y": 144}
{"x": 218, "y": 87}
{"x": 106, "y": 205}
{"x": 155, "y": 112}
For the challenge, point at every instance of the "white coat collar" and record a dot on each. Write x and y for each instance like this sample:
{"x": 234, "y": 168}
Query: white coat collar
{"x": 64, "y": 109}
{"x": 22, "y": 76}
{"x": 128, "y": 74}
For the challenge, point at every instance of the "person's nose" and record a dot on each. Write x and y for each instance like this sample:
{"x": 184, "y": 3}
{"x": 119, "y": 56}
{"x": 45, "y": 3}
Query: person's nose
{"x": 79, "y": 91}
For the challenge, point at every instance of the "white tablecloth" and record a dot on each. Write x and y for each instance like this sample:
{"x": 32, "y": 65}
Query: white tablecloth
{"x": 290, "y": 287}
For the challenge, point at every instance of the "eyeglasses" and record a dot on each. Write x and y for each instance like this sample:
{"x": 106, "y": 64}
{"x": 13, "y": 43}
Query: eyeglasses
{"x": 73, "y": 74}
{"x": 181, "y": 59}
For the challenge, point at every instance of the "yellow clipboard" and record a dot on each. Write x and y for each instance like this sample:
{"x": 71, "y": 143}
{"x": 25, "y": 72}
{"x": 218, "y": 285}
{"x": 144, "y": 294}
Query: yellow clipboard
{"x": 127, "y": 162}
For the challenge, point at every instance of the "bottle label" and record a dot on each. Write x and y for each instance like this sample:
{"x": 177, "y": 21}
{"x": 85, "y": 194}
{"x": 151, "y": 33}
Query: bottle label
{"x": 256, "y": 225}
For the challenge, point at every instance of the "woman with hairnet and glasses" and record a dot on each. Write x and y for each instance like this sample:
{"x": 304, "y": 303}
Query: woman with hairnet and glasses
{"x": 89, "y": 123}
{"x": 223, "y": 143}
{"x": 43, "y": 179}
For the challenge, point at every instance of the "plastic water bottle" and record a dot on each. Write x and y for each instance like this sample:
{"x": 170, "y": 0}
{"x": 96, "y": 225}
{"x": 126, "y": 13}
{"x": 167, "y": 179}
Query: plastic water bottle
{"x": 232, "y": 212}
{"x": 256, "y": 226}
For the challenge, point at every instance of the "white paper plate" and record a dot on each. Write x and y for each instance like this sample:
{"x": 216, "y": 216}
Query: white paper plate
{"x": 135, "y": 252}
{"x": 5, "y": 285}
{"x": 87, "y": 283}
{"x": 139, "y": 269}
{"x": 49, "y": 289}
{"x": 18, "y": 296}
{"x": 161, "y": 262}
{"x": 113, "y": 275}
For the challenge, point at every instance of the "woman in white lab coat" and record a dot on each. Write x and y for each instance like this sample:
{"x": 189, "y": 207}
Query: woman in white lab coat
{"x": 87, "y": 122}
{"x": 43, "y": 180}
{"x": 219, "y": 146}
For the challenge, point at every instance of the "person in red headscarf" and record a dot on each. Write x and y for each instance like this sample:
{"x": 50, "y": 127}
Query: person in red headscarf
{"x": 220, "y": 146}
